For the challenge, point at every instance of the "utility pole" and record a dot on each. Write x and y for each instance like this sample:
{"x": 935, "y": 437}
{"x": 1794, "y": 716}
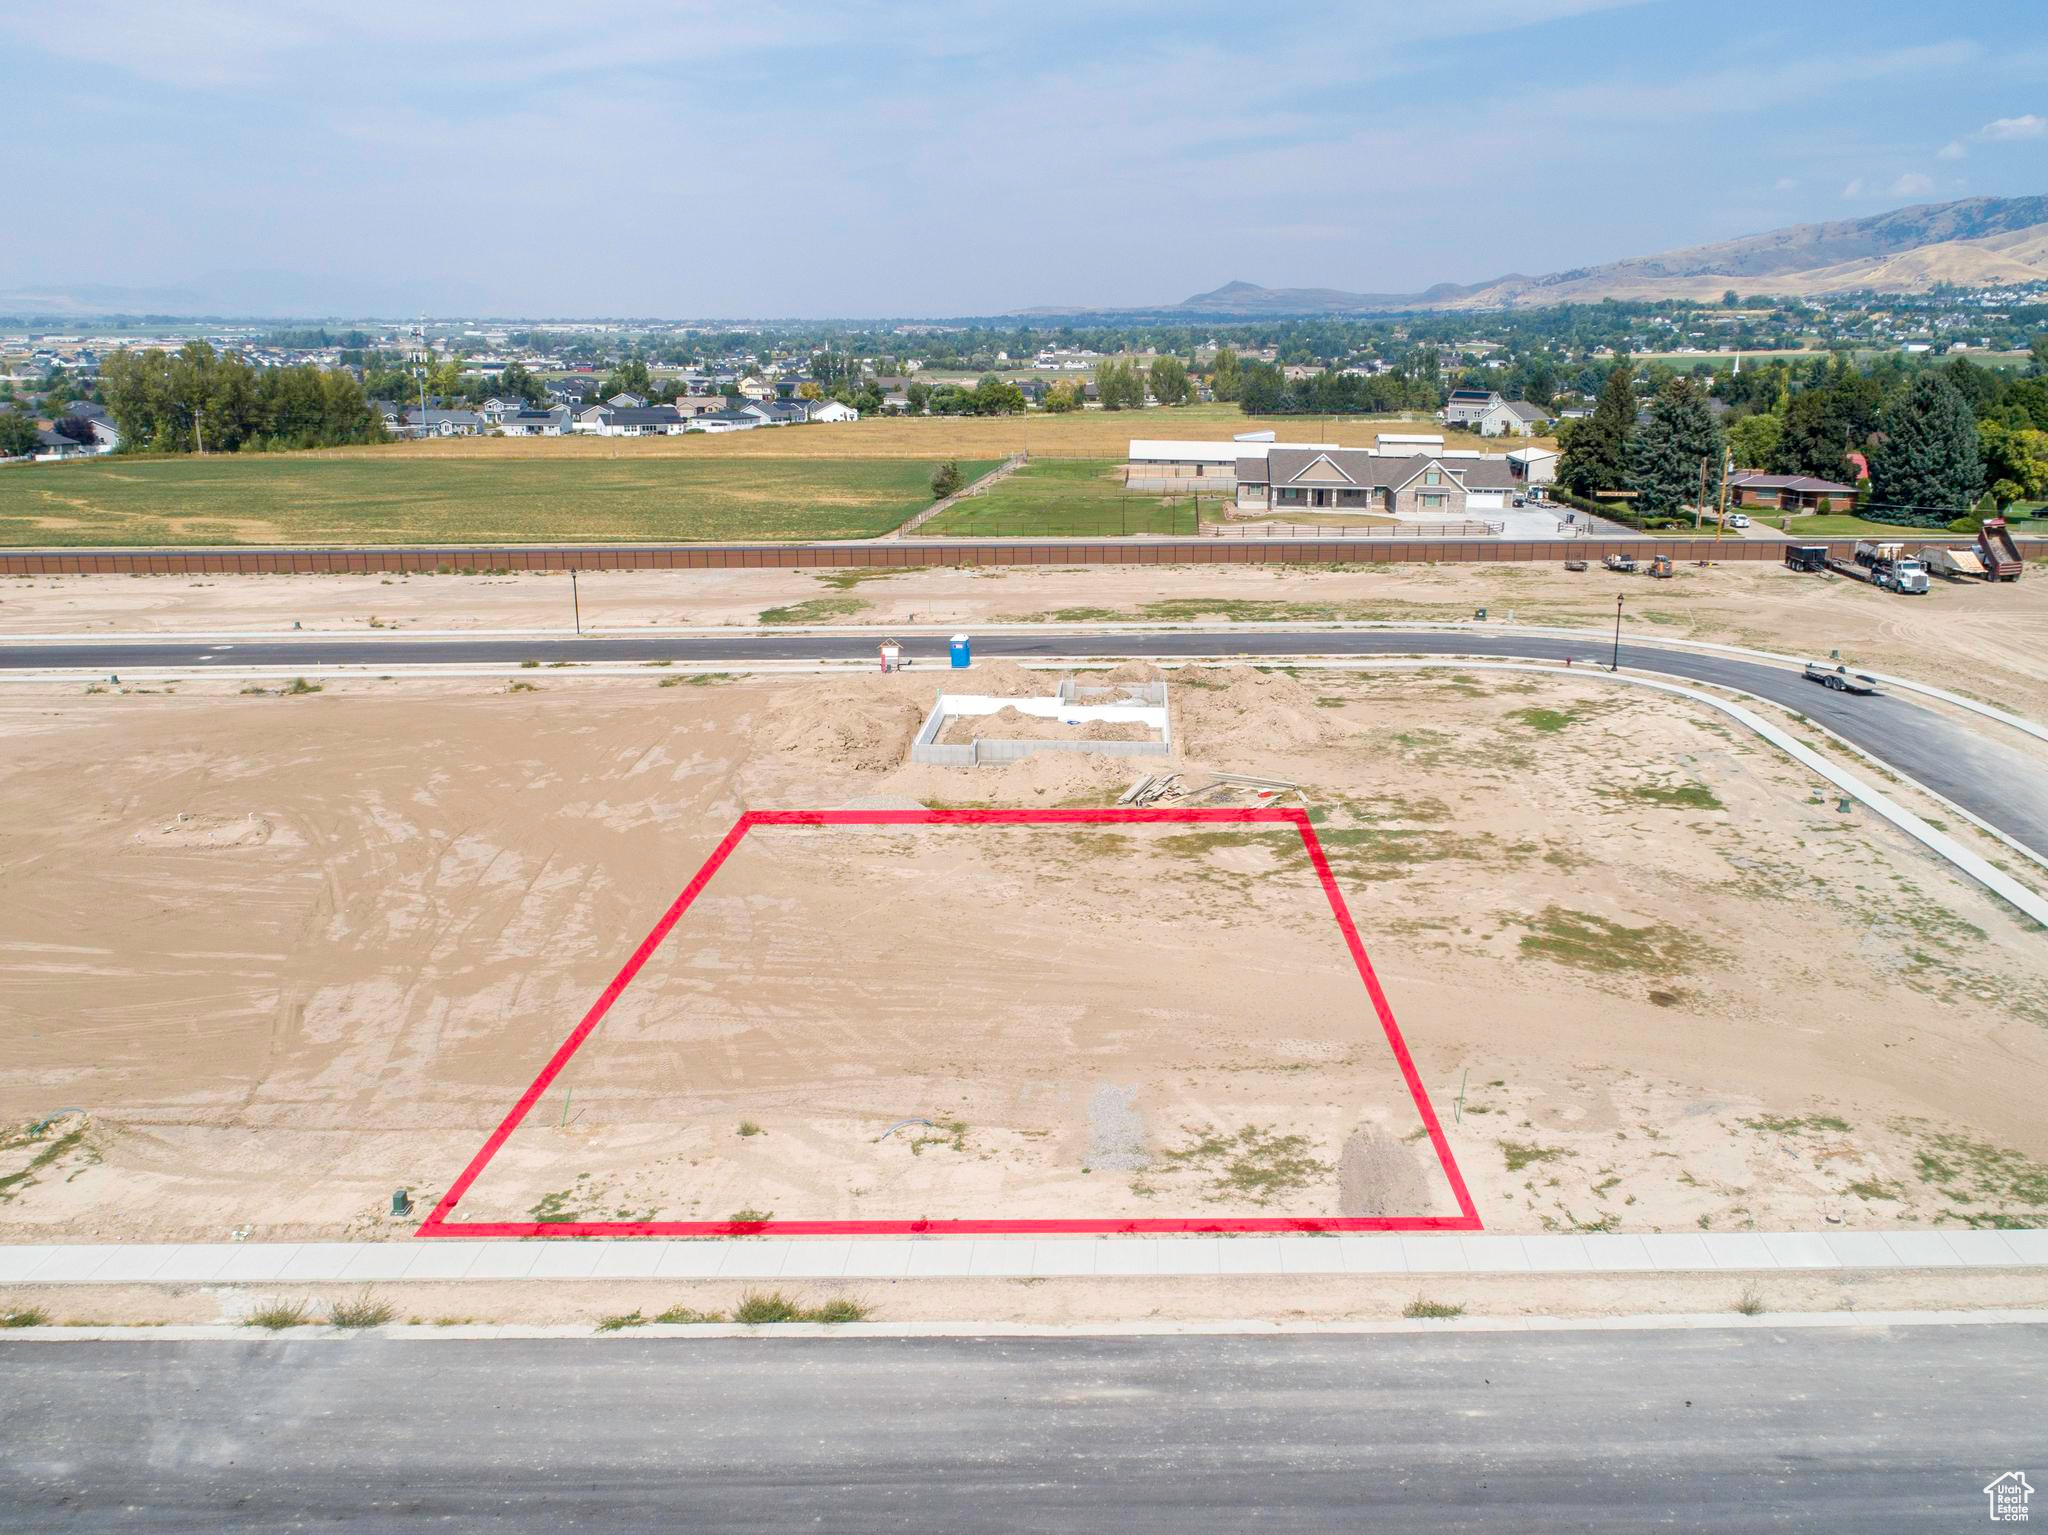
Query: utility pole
{"x": 576, "y": 602}
{"x": 1617, "y": 633}
{"x": 1727, "y": 468}
{"x": 1699, "y": 507}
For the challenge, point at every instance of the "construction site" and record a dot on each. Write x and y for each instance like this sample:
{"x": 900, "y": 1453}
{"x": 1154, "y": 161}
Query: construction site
{"x": 291, "y": 963}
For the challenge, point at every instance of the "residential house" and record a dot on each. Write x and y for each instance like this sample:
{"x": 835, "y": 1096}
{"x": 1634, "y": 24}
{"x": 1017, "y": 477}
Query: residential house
{"x": 723, "y": 421}
{"x": 1466, "y": 406}
{"x": 1790, "y": 492}
{"x": 832, "y": 410}
{"x": 573, "y": 392}
{"x": 536, "y": 423}
{"x": 1426, "y": 486}
{"x": 771, "y": 412}
{"x": 625, "y": 401}
{"x": 1512, "y": 418}
{"x": 633, "y": 421}
{"x": 436, "y": 422}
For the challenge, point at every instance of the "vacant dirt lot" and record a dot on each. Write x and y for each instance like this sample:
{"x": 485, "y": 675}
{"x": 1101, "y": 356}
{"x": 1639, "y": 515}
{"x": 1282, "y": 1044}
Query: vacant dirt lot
{"x": 288, "y": 953}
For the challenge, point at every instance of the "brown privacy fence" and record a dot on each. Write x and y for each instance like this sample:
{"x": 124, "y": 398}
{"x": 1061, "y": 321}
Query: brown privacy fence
{"x": 893, "y": 555}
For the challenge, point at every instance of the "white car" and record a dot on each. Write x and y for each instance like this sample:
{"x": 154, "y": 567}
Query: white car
{"x": 1737, "y": 520}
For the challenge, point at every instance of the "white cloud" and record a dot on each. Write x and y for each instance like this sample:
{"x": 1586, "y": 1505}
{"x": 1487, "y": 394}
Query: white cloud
{"x": 1854, "y": 188}
{"x": 2005, "y": 129}
{"x": 1785, "y": 184}
{"x": 1952, "y": 150}
{"x": 1912, "y": 184}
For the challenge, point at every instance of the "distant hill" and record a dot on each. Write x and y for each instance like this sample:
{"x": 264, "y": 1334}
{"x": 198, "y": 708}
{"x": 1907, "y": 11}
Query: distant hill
{"x": 1977, "y": 242}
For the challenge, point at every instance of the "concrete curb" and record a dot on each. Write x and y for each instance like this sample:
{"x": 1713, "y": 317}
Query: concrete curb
{"x": 823, "y": 1259}
{"x": 1697, "y": 1321}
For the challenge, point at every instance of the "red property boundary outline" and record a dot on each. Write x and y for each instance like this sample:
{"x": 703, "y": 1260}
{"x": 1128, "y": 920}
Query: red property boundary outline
{"x": 438, "y": 1223}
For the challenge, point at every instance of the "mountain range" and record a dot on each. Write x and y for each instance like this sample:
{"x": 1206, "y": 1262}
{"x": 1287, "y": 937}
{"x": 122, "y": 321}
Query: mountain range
{"x": 1976, "y": 242}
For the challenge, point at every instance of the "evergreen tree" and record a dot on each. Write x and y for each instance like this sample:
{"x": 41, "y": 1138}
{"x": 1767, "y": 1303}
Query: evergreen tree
{"x": 1928, "y": 456}
{"x": 1224, "y": 377}
{"x": 18, "y": 436}
{"x": 1665, "y": 458}
{"x": 1815, "y": 438}
{"x": 946, "y": 479}
{"x": 1597, "y": 457}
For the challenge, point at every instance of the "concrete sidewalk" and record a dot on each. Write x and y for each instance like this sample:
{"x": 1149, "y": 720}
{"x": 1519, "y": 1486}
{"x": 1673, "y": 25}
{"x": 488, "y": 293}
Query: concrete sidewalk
{"x": 1011, "y": 1257}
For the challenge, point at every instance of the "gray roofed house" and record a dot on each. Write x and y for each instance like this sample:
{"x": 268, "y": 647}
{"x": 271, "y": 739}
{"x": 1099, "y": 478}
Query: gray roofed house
{"x": 435, "y": 422}
{"x": 1292, "y": 479}
{"x": 1516, "y": 417}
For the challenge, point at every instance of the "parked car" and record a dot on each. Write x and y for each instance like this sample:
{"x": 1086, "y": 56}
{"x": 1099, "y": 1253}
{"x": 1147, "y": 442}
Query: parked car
{"x": 1738, "y": 520}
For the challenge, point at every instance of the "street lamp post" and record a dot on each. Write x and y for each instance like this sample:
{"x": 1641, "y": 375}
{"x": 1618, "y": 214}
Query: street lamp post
{"x": 1618, "y": 598}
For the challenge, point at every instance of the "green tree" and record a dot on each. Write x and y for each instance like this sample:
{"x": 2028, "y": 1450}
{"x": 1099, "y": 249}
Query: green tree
{"x": 1169, "y": 381}
{"x": 946, "y": 480}
{"x": 629, "y": 377}
{"x": 1928, "y": 456}
{"x": 1225, "y": 378}
{"x": 1753, "y": 440}
{"x": 18, "y": 435}
{"x": 1119, "y": 385}
{"x": 1063, "y": 397}
{"x": 1669, "y": 450}
{"x": 919, "y": 397}
{"x": 1598, "y": 457}
{"x": 1814, "y": 438}
{"x": 2016, "y": 462}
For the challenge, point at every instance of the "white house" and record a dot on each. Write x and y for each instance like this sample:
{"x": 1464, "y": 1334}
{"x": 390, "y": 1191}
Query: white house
{"x": 1517, "y": 418}
{"x": 832, "y": 410}
{"x": 1534, "y": 466}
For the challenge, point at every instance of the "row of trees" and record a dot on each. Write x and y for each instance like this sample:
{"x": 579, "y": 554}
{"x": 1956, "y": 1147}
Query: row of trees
{"x": 1925, "y": 446}
{"x": 1264, "y": 390}
{"x": 195, "y": 398}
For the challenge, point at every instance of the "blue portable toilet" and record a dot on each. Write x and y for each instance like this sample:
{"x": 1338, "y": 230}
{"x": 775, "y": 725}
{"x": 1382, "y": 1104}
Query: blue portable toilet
{"x": 963, "y": 652}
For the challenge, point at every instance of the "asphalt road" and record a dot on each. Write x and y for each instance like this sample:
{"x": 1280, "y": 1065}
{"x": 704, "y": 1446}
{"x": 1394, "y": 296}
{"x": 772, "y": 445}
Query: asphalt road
{"x": 1730, "y": 1431}
{"x": 1997, "y": 782}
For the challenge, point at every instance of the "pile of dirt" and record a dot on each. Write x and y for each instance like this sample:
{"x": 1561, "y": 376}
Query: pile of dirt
{"x": 865, "y": 725}
{"x": 1004, "y": 679}
{"x": 1236, "y": 709}
{"x": 1014, "y": 725}
{"x": 1134, "y": 671}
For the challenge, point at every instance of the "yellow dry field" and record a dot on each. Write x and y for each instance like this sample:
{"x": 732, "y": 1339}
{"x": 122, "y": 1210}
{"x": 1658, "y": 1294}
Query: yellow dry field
{"x": 1080, "y": 434}
{"x": 267, "y": 958}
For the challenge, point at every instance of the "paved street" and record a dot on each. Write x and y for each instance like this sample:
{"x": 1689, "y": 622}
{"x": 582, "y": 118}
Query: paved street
{"x": 1864, "y": 1430}
{"x": 1973, "y": 767}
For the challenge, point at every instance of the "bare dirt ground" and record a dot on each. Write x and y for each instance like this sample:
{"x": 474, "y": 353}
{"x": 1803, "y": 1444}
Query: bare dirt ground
{"x": 288, "y": 953}
{"x": 1987, "y": 641}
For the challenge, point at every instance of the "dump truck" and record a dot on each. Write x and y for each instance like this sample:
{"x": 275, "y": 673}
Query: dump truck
{"x": 2001, "y": 556}
{"x": 1812, "y": 558}
{"x": 1954, "y": 564}
{"x": 1892, "y": 568}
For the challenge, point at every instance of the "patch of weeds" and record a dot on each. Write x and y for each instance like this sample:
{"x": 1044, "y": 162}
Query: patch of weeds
{"x": 555, "y": 1209}
{"x": 764, "y": 1307}
{"x": 749, "y": 1216}
{"x": 13, "y": 1184}
{"x": 1587, "y": 942}
{"x": 696, "y": 679}
{"x": 1254, "y": 1163}
{"x": 1967, "y": 1169}
{"x": 1750, "y": 1302}
{"x": 846, "y": 580}
{"x": 25, "y": 1316}
{"x": 1685, "y": 796}
{"x": 953, "y": 1134}
{"x": 253, "y": 690}
{"x": 748, "y": 1128}
{"x": 364, "y": 1310}
{"x": 1423, "y": 1309}
{"x": 1548, "y": 721}
{"x": 299, "y": 688}
{"x": 277, "y": 1315}
{"x": 621, "y": 1322}
{"x": 1872, "y": 1188}
{"x": 839, "y": 1309}
{"x": 522, "y": 687}
{"x": 815, "y": 610}
{"x": 677, "y": 1316}
{"x": 1521, "y": 1154}
{"x": 1779, "y": 1124}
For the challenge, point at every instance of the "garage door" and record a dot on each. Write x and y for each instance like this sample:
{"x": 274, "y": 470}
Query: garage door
{"x": 1485, "y": 500}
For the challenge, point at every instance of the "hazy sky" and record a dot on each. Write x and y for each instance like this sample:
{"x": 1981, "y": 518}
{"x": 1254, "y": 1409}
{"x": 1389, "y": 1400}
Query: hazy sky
{"x": 760, "y": 159}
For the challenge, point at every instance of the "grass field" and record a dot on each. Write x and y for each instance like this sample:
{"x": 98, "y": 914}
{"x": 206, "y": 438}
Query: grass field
{"x": 1841, "y": 525}
{"x": 405, "y": 495}
{"x": 1066, "y": 498}
{"x": 1082, "y": 434}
